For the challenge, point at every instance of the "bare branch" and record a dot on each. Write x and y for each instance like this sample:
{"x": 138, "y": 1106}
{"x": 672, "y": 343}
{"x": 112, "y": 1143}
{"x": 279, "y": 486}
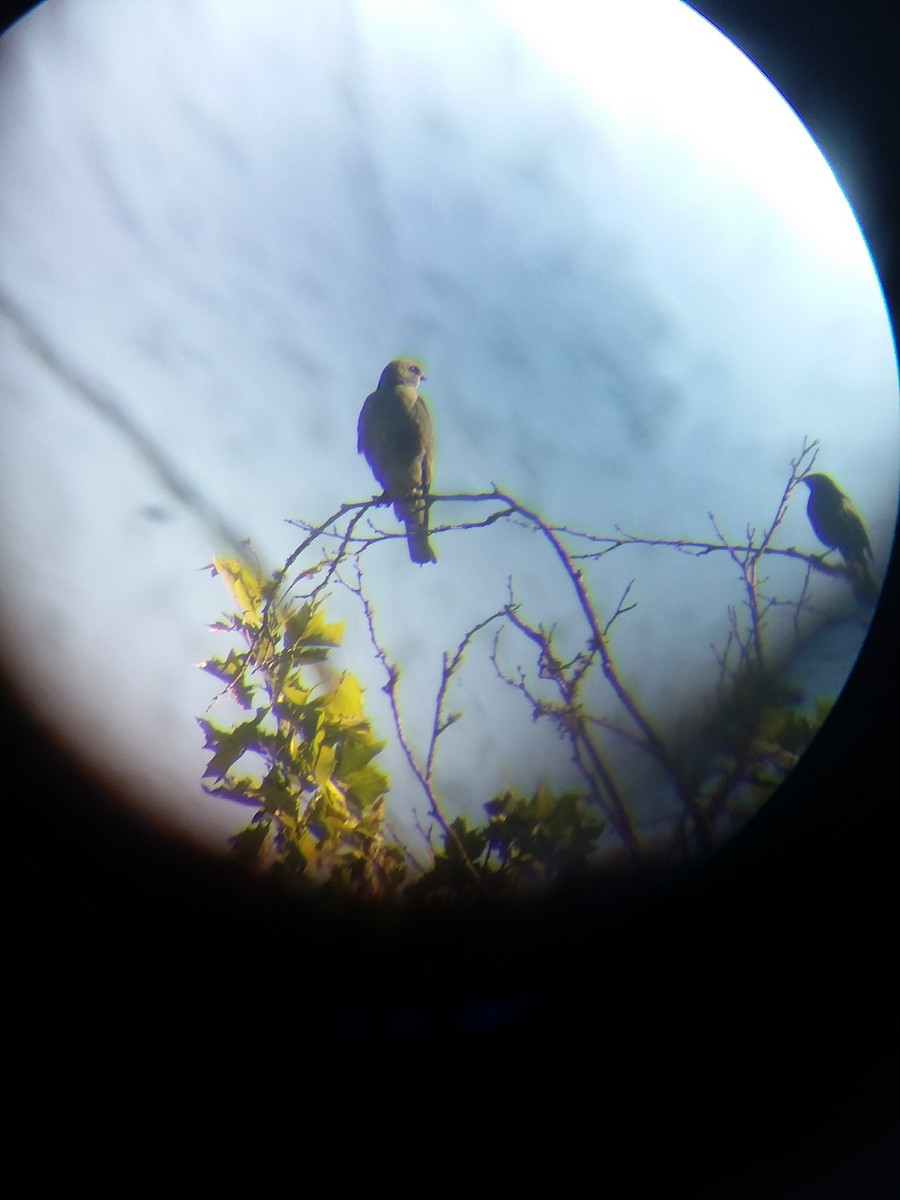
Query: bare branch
{"x": 426, "y": 835}
{"x": 390, "y": 690}
{"x": 570, "y": 717}
{"x": 450, "y": 666}
{"x": 407, "y": 853}
{"x": 598, "y": 641}
{"x": 621, "y": 607}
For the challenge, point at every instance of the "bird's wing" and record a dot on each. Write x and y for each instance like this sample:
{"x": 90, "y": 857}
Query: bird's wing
{"x": 389, "y": 439}
{"x": 855, "y": 538}
{"x": 363, "y": 428}
{"x": 422, "y": 420}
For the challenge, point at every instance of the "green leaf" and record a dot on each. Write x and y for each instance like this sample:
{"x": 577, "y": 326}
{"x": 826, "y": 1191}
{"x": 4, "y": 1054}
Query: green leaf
{"x": 346, "y": 699}
{"x": 306, "y": 627}
{"x": 228, "y": 745}
{"x": 231, "y": 670}
{"x": 249, "y": 842}
{"x": 366, "y": 785}
{"x": 244, "y": 587}
{"x": 356, "y": 750}
{"x": 324, "y": 768}
{"x": 320, "y": 798}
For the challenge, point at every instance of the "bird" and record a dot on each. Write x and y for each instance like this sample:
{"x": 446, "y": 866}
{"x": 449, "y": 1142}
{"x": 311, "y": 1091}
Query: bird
{"x": 837, "y": 524}
{"x": 395, "y": 435}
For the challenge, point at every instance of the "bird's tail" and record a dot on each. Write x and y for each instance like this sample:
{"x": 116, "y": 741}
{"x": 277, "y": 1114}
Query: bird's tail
{"x": 865, "y": 589}
{"x": 420, "y": 550}
{"x": 414, "y": 514}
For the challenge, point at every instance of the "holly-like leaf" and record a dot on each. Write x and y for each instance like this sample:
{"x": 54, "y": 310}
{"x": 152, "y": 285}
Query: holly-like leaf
{"x": 228, "y": 745}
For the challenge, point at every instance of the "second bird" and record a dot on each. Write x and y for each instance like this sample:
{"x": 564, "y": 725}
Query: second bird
{"x": 836, "y": 523}
{"x": 395, "y": 435}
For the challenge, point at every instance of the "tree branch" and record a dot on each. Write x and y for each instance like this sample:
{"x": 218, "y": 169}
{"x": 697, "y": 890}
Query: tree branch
{"x": 423, "y": 776}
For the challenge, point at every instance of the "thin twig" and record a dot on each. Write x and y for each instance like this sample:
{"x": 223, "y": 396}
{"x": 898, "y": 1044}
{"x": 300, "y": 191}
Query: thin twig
{"x": 449, "y": 667}
{"x": 390, "y": 689}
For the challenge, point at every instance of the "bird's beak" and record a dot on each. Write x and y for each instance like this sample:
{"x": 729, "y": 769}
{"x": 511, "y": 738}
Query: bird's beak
{"x": 422, "y": 378}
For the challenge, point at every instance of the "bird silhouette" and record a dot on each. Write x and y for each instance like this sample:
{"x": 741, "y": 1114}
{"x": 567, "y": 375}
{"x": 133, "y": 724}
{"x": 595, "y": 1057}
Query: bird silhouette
{"x": 395, "y": 435}
{"x": 837, "y": 524}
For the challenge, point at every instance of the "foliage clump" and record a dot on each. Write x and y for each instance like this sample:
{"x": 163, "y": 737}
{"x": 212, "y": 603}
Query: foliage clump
{"x": 304, "y": 756}
{"x": 527, "y": 841}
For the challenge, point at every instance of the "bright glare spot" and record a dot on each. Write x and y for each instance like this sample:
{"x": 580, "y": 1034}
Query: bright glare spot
{"x": 662, "y": 72}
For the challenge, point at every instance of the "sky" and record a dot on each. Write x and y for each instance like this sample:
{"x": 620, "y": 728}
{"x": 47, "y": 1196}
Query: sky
{"x": 632, "y": 279}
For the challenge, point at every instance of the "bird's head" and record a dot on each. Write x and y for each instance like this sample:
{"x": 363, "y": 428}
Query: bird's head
{"x": 820, "y": 483}
{"x": 402, "y": 371}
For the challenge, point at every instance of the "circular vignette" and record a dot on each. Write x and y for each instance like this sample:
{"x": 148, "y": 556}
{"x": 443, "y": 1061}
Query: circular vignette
{"x": 112, "y": 859}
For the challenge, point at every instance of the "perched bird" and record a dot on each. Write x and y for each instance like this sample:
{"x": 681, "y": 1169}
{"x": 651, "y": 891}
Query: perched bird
{"x": 395, "y": 435}
{"x": 836, "y": 523}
